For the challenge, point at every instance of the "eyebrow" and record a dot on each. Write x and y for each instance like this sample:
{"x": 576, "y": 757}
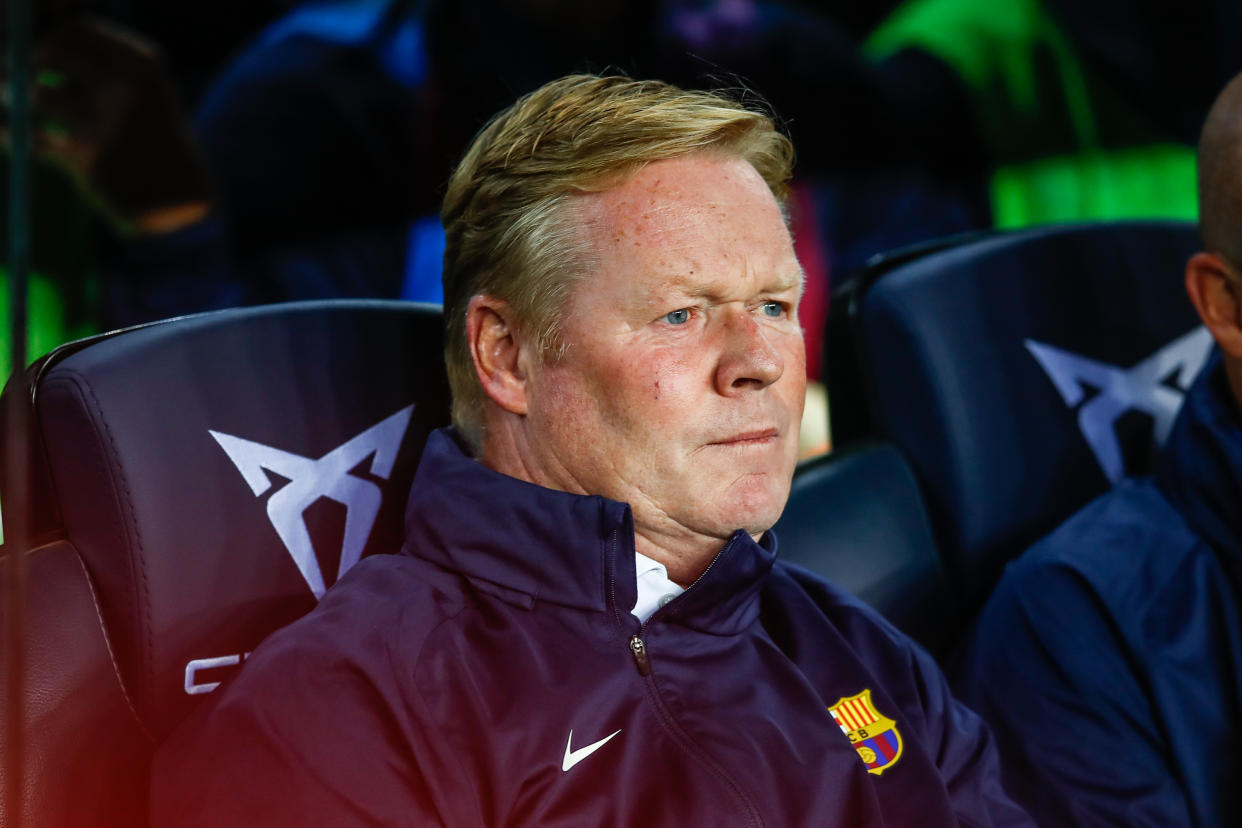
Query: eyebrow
{"x": 784, "y": 282}
{"x": 791, "y": 280}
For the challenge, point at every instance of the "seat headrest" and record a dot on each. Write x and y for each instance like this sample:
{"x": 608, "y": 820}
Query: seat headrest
{"x": 217, "y": 472}
{"x": 856, "y": 517}
{"x": 1021, "y": 373}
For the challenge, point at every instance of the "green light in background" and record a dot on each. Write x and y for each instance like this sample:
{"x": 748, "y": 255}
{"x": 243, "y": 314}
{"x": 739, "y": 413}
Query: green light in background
{"x": 47, "y": 328}
{"x": 48, "y": 324}
{"x": 1156, "y": 181}
{"x": 47, "y": 77}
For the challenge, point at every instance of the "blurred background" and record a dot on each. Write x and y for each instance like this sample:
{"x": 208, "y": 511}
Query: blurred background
{"x": 198, "y": 155}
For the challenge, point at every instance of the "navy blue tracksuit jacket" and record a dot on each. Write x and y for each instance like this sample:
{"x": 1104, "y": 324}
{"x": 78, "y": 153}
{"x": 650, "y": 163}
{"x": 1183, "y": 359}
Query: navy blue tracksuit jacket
{"x": 1109, "y": 658}
{"x": 493, "y": 674}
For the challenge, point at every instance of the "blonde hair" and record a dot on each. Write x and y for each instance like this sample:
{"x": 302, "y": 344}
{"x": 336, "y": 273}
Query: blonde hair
{"x": 508, "y": 233}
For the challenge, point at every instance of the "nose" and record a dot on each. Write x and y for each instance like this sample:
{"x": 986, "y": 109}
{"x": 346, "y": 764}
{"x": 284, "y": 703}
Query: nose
{"x": 748, "y": 360}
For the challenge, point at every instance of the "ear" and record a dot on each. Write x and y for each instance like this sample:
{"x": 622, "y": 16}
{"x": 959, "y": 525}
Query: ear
{"x": 496, "y": 350}
{"x": 1216, "y": 293}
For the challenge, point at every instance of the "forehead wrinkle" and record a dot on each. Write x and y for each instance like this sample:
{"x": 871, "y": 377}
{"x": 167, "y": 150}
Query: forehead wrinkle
{"x": 660, "y": 226}
{"x": 707, "y": 287}
{"x": 655, "y": 225}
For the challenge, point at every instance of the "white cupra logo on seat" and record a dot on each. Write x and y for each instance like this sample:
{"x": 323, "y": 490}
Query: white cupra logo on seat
{"x": 1156, "y": 386}
{"x": 329, "y": 477}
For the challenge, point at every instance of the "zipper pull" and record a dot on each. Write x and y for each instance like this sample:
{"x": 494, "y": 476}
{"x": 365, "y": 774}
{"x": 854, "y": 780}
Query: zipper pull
{"x": 640, "y": 656}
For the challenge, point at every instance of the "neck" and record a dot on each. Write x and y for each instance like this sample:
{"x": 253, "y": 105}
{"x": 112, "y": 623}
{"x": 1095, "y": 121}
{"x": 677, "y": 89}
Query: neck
{"x": 685, "y": 561}
{"x": 685, "y": 553}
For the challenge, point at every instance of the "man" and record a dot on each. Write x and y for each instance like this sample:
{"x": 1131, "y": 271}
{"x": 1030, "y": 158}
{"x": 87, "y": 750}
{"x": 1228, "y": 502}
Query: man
{"x": 587, "y": 625}
{"x": 1109, "y": 659}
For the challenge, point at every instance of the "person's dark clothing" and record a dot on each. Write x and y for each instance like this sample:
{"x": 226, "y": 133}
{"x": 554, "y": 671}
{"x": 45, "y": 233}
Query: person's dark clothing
{"x": 1109, "y": 659}
{"x": 308, "y": 137}
{"x": 1166, "y": 60}
{"x": 492, "y": 674}
{"x": 193, "y": 270}
{"x": 349, "y": 114}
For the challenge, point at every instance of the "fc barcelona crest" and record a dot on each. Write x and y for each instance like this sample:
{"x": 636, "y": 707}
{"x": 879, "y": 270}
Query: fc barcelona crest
{"x": 872, "y": 734}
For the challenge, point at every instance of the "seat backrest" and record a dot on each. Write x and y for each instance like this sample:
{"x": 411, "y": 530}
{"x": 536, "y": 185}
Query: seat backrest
{"x": 856, "y": 517}
{"x": 215, "y": 473}
{"x": 1021, "y": 373}
{"x": 86, "y": 754}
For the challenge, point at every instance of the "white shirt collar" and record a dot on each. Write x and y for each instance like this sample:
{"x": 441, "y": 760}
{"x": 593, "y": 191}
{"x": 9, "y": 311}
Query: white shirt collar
{"x": 655, "y": 589}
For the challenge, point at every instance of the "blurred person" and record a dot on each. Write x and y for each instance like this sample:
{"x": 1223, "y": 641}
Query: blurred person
{"x": 951, "y": 115}
{"x": 1084, "y": 109}
{"x": 106, "y": 113}
{"x": 349, "y": 114}
{"x": 588, "y": 623}
{"x": 1109, "y": 658}
{"x": 105, "y": 122}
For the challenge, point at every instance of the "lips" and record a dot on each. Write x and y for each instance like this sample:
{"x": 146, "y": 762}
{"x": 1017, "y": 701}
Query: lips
{"x": 757, "y": 437}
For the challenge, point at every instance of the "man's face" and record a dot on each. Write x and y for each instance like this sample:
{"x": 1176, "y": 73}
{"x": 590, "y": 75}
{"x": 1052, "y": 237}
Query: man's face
{"x": 681, "y": 386}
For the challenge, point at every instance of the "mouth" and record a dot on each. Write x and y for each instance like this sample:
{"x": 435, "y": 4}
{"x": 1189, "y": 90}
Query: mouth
{"x": 761, "y": 437}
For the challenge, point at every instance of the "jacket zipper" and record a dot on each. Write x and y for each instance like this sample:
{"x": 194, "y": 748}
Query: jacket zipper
{"x": 638, "y": 648}
{"x": 642, "y": 660}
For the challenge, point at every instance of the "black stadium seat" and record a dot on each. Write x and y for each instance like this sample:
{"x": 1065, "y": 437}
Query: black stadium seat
{"x": 856, "y": 517}
{"x": 1021, "y": 373}
{"x": 198, "y": 482}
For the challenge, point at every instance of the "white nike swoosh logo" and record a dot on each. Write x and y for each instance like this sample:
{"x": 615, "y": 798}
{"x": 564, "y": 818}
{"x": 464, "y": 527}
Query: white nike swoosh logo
{"x": 573, "y": 757}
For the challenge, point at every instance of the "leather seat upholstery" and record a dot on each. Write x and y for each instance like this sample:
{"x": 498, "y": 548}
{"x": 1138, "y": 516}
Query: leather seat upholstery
{"x": 857, "y": 518}
{"x": 1020, "y": 373}
{"x": 198, "y": 483}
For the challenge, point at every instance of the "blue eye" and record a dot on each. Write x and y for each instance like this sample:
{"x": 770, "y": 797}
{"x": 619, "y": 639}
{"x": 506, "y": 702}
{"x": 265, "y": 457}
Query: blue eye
{"x": 678, "y": 317}
{"x": 773, "y": 309}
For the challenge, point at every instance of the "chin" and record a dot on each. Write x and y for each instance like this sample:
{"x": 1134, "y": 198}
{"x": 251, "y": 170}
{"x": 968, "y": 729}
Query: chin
{"x": 756, "y": 504}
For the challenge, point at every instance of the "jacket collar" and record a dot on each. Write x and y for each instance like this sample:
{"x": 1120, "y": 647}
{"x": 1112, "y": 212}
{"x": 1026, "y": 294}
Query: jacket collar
{"x": 568, "y": 549}
{"x": 1200, "y": 469}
